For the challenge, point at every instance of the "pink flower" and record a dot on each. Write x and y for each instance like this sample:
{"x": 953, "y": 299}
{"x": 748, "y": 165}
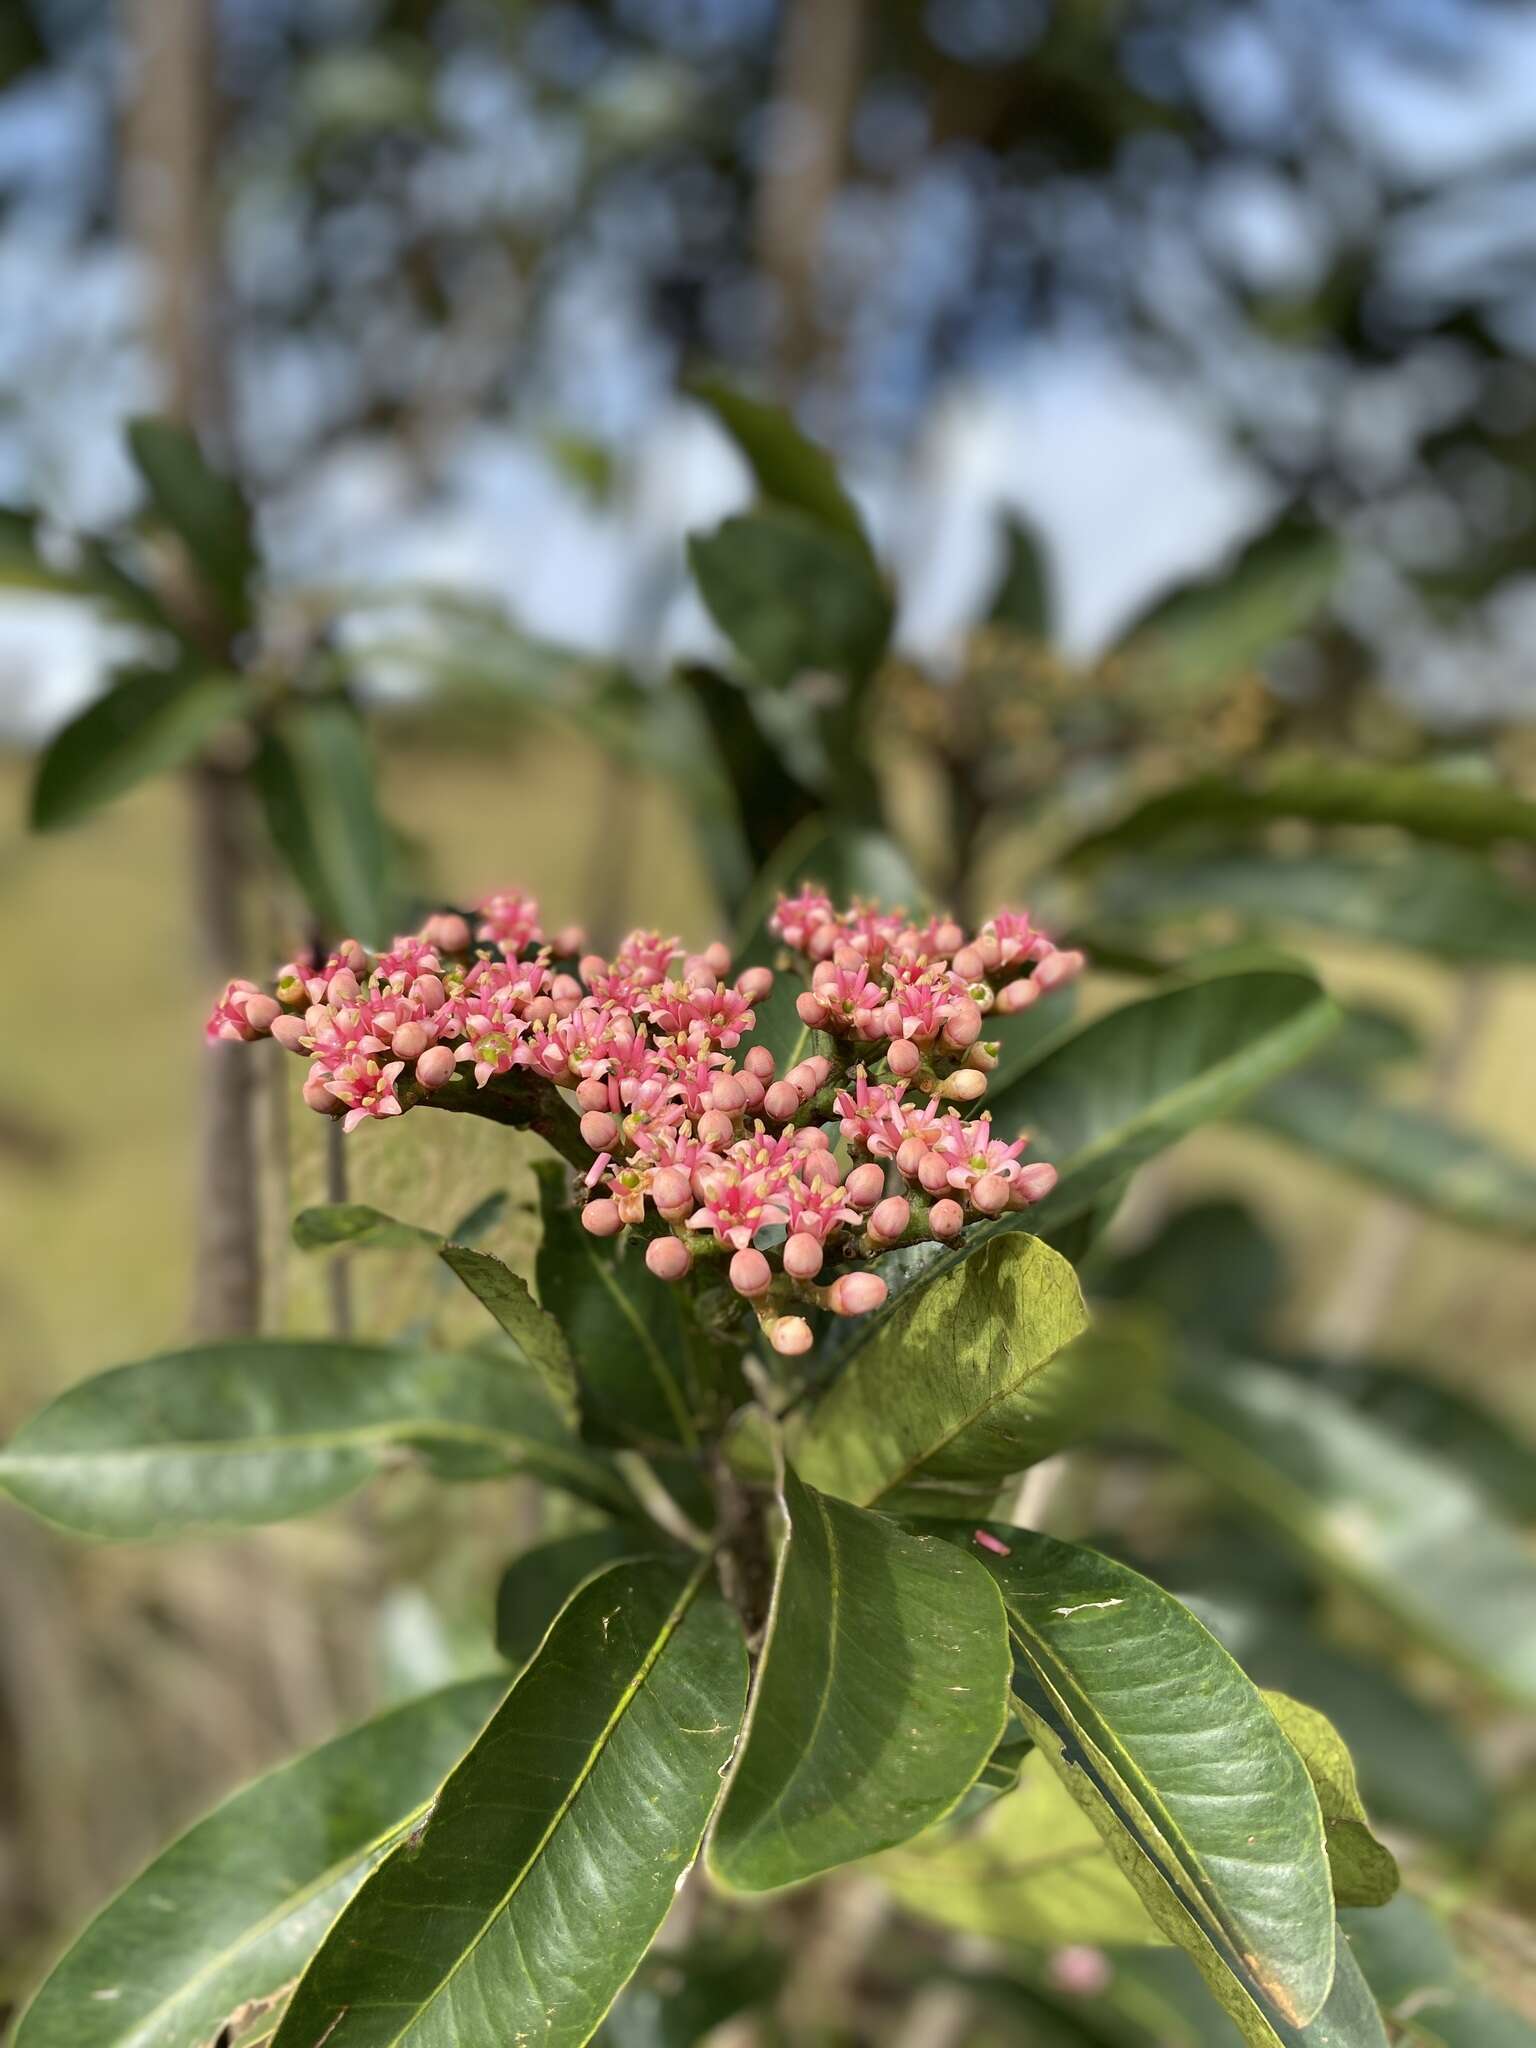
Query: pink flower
{"x": 407, "y": 958}
{"x": 796, "y": 919}
{"x": 509, "y": 920}
{"x": 228, "y": 1018}
{"x": 873, "y": 1115}
{"x": 816, "y": 1207}
{"x": 735, "y": 1206}
{"x": 971, "y": 1151}
{"x": 366, "y": 1088}
{"x": 494, "y": 1045}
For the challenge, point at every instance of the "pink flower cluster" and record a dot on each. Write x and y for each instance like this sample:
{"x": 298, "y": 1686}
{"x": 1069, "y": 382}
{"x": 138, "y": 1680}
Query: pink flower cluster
{"x": 704, "y": 1153}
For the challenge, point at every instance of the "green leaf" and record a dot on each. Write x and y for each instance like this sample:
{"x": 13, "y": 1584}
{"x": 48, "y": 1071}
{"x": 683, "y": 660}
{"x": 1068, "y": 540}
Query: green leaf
{"x": 677, "y": 2000}
{"x": 1022, "y": 598}
{"x": 792, "y": 597}
{"x": 881, "y": 1692}
{"x": 359, "y": 1226}
{"x": 945, "y": 1386}
{"x": 1193, "y": 1764}
{"x": 770, "y": 800}
{"x": 1153, "y": 1999}
{"x": 1212, "y": 1268}
{"x": 1453, "y": 905}
{"x": 1364, "y": 1873}
{"x": 789, "y": 467}
{"x": 1205, "y": 634}
{"x": 1460, "y": 1432}
{"x": 231, "y": 1911}
{"x": 1454, "y": 810}
{"x": 205, "y": 509}
{"x": 532, "y": 1329}
{"x": 148, "y": 722}
{"x": 623, "y": 1326}
{"x": 535, "y": 1586}
{"x": 315, "y": 779}
{"x": 1368, "y": 1508}
{"x": 1030, "y": 1867}
{"x": 1128, "y": 1085}
{"x": 258, "y": 1429}
{"x": 1424, "y": 1158}
{"x": 550, "y": 1857}
{"x": 1423, "y": 1985}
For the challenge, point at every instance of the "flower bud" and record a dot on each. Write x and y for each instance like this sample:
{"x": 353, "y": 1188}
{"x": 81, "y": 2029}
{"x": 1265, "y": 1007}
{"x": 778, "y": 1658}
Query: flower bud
{"x": 261, "y": 1013}
{"x": 590, "y": 966}
{"x": 436, "y": 1066}
{"x": 946, "y": 1219}
{"x": 750, "y": 1273}
{"x": 781, "y": 1102}
{"x": 1034, "y": 1183}
{"x": 822, "y": 1163}
{"x": 354, "y": 954}
{"x": 755, "y": 984}
{"x": 1080, "y": 1971}
{"x": 948, "y": 936}
{"x": 856, "y": 1294}
{"x": 668, "y": 1258}
{"x": 318, "y": 1096}
{"x": 962, "y": 1027}
{"x": 600, "y": 1130}
{"x": 290, "y": 1033}
{"x": 343, "y": 987}
{"x": 672, "y": 1192}
{"x": 760, "y": 1063}
{"x": 990, "y": 1194}
{"x": 819, "y": 1067}
{"x": 602, "y": 1218}
{"x": 910, "y": 1154}
{"x": 752, "y": 1092}
{"x": 968, "y": 964}
{"x": 716, "y": 956}
{"x": 1018, "y": 995}
{"x": 811, "y": 1139}
{"x": 447, "y": 931}
{"x": 1057, "y": 969}
{"x": 982, "y": 1056}
{"x": 591, "y": 1095}
{"x": 811, "y": 1010}
{"x": 903, "y": 1058}
{"x": 790, "y": 1336}
{"x": 568, "y": 941}
{"x": 410, "y": 1041}
{"x": 888, "y": 1220}
{"x": 728, "y": 1094}
{"x": 803, "y": 1256}
{"x": 933, "y": 1173}
{"x": 428, "y": 990}
{"x": 965, "y": 1085}
{"x": 865, "y": 1185}
{"x": 715, "y": 1128}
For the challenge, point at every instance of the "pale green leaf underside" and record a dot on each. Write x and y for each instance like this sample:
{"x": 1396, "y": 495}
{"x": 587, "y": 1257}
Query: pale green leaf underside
{"x": 1364, "y": 1872}
{"x": 231, "y": 1911}
{"x": 552, "y": 1853}
{"x": 882, "y": 1691}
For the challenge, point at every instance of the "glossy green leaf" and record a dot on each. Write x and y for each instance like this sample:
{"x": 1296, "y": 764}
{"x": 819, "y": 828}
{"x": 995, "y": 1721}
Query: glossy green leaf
{"x": 945, "y": 1387}
{"x": 358, "y": 1226}
{"x": 535, "y": 1586}
{"x": 1455, "y": 810}
{"x": 1125, "y": 1087}
{"x": 1022, "y": 598}
{"x": 1424, "y": 1158}
{"x": 1212, "y": 1268}
{"x": 315, "y": 779}
{"x": 258, "y": 1429}
{"x": 789, "y": 468}
{"x": 623, "y": 1326}
{"x": 532, "y": 1329}
{"x": 1485, "y": 1447}
{"x": 205, "y": 509}
{"x": 233, "y": 1909}
{"x": 1453, "y": 905}
{"x": 1184, "y": 1751}
{"x": 881, "y": 1692}
{"x": 1370, "y": 1508}
{"x": 1364, "y": 1872}
{"x": 1207, "y": 633}
{"x": 792, "y": 597}
{"x": 1030, "y": 1867}
{"x": 550, "y": 1856}
{"x": 149, "y": 721}
{"x": 770, "y": 799}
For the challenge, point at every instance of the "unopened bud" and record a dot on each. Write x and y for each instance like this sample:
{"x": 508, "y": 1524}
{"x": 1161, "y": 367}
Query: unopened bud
{"x": 903, "y": 1057}
{"x": 290, "y": 1032}
{"x": 969, "y": 964}
{"x": 760, "y": 1061}
{"x": 1056, "y": 969}
{"x": 962, "y": 1027}
{"x": 865, "y": 1185}
{"x": 716, "y": 956}
{"x": 1034, "y": 1183}
{"x": 781, "y": 1102}
{"x": 410, "y": 1041}
{"x": 803, "y": 1256}
{"x": 436, "y": 1067}
{"x": 343, "y": 987}
{"x": 948, "y": 936}
{"x": 888, "y": 1220}
{"x": 447, "y": 931}
{"x": 756, "y": 984}
{"x": 803, "y": 1080}
{"x": 591, "y": 1094}
{"x": 946, "y": 1219}
{"x": 811, "y": 1010}
{"x": 261, "y": 1013}
{"x": 354, "y": 954}
{"x": 910, "y": 1154}
{"x": 668, "y": 1258}
{"x": 752, "y": 1092}
{"x": 601, "y": 1218}
{"x": 428, "y": 990}
{"x": 990, "y": 1194}
{"x": 591, "y": 965}
{"x": 822, "y": 1163}
{"x": 790, "y": 1336}
{"x": 933, "y": 1173}
{"x": 811, "y": 1139}
{"x": 672, "y": 1192}
{"x": 600, "y": 1130}
{"x": 982, "y": 1056}
{"x": 1018, "y": 995}
{"x": 565, "y": 989}
{"x": 728, "y": 1094}
{"x": 965, "y": 1085}
{"x": 714, "y": 1127}
{"x": 750, "y": 1273}
{"x": 856, "y": 1294}
{"x": 318, "y": 1096}
{"x": 569, "y": 940}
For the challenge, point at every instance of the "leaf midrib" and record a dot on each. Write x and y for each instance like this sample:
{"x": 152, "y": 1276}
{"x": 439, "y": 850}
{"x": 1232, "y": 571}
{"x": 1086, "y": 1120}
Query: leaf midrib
{"x": 651, "y": 1351}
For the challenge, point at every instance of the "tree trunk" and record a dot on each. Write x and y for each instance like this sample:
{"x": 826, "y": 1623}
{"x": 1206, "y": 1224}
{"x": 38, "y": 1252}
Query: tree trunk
{"x": 169, "y": 163}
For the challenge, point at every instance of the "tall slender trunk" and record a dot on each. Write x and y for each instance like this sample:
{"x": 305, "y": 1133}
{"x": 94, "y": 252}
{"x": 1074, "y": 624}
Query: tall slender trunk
{"x": 815, "y": 93}
{"x": 169, "y": 158}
